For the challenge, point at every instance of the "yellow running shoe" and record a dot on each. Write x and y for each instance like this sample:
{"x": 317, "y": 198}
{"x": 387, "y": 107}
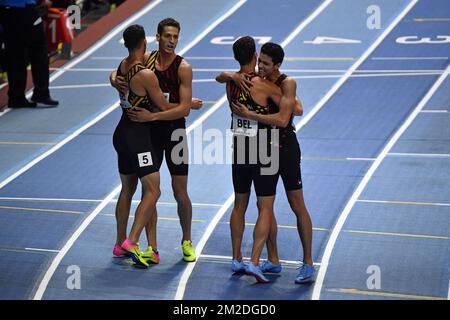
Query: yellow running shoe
{"x": 188, "y": 251}
{"x": 150, "y": 256}
{"x": 135, "y": 253}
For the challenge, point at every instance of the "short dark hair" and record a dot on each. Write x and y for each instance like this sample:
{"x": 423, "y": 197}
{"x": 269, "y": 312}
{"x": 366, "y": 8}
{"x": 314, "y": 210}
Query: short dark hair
{"x": 244, "y": 48}
{"x": 133, "y": 35}
{"x": 168, "y": 22}
{"x": 273, "y": 50}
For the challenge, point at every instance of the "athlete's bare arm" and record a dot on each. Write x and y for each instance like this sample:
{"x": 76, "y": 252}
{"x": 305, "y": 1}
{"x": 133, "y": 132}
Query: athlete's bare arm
{"x": 240, "y": 79}
{"x": 286, "y": 107}
{"x": 121, "y": 85}
{"x": 118, "y": 82}
{"x": 181, "y": 110}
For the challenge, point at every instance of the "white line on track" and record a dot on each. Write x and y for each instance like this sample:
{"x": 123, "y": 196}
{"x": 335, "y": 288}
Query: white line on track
{"x": 5, "y": 111}
{"x": 229, "y": 258}
{"x": 231, "y": 58}
{"x": 100, "y": 200}
{"x": 282, "y": 70}
{"x": 44, "y": 250}
{"x": 57, "y": 146}
{"x": 81, "y": 86}
{"x": 354, "y": 67}
{"x": 361, "y": 159}
{"x": 343, "y": 216}
{"x": 409, "y": 58}
{"x": 188, "y": 271}
{"x": 404, "y": 202}
{"x": 57, "y": 260}
{"x": 419, "y": 155}
{"x": 448, "y": 294}
{"x": 106, "y": 85}
{"x": 434, "y": 111}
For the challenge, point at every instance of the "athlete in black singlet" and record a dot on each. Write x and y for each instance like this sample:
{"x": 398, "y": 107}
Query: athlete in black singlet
{"x": 270, "y": 61}
{"x": 244, "y": 173}
{"x": 175, "y": 80}
{"x": 136, "y": 154}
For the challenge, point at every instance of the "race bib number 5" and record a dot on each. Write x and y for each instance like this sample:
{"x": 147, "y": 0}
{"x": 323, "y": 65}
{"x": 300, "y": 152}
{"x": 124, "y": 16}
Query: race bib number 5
{"x": 245, "y": 127}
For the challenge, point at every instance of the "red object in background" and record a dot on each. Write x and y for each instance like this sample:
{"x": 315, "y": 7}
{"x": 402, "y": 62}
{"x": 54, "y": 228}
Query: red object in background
{"x": 57, "y": 27}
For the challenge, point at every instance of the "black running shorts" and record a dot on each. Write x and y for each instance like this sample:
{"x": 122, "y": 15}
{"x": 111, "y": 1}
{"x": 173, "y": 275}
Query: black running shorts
{"x": 290, "y": 157}
{"x": 134, "y": 148}
{"x": 170, "y": 140}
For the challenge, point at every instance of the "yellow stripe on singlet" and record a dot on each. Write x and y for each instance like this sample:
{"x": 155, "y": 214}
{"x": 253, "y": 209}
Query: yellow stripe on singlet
{"x": 150, "y": 64}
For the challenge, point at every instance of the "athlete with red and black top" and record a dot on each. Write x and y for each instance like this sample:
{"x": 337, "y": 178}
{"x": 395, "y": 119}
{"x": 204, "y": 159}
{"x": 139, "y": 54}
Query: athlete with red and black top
{"x": 137, "y": 158}
{"x": 281, "y": 116}
{"x": 175, "y": 79}
{"x": 247, "y": 133}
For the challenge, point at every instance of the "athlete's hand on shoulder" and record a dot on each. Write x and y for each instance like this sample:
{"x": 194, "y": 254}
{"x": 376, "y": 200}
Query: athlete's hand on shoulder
{"x": 196, "y": 103}
{"x": 240, "y": 110}
{"x": 140, "y": 115}
{"x": 119, "y": 83}
{"x": 240, "y": 79}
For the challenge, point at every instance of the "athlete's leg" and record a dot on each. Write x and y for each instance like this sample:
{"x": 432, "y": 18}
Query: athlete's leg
{"x": 262, "y": 227}
{"x": 129, "y": 183}
{"x": 184, "y": 205}
{"x": 147, "y": 206}
{"x": 304, "y": 224}
{"x": 237, "y": 223}
{"x": 271, "y": 244}
{"x": 150, "y": 231}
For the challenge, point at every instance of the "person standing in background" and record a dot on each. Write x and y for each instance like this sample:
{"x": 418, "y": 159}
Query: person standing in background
{"x": 26, "y": 42}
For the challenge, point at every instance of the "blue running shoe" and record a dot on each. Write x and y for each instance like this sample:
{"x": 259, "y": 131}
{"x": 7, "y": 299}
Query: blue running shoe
{"x": 238, "y": 266}
{"x": 306, "y": 274}
{"x": 251, "y": 270}
{"x": 268, "y": 266}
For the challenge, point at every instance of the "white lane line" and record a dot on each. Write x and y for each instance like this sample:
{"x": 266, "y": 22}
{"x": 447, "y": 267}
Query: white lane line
{"x": 44, "y": 250}
{"x": 343, "y": 217}
{"x": 353, "y": 68}
{"x": 448, "y": 294}
{"x": 106, "y": 85}
{"x": 100, "y": 200}
{"x": 58, "y": 145}
{"x": 337, "y": 76}
{"x": 188, "y": 271}
{"x": 232, "y": 58}
{"x": 201, "y": 244}
{"x": 368, "y": 75}
{"x": 212, "y": 26}
{"x": 229, "y": 258}
{"x": 65, "y": 69}
{"x": 414, "y": 71}
{"x": 434, "y": 111}
{"x": 206, "y": 114}
{"x": 420, "y": 203}
{"x": 81, "y": 86}
{"x": 5, "y": 111}
{"x": 361, "y": 159}
{"x": 282, "y": 69}
{"x": 419, "y": 155}
{"x": 409, "y": 58}
{"x": 57, "y": 260}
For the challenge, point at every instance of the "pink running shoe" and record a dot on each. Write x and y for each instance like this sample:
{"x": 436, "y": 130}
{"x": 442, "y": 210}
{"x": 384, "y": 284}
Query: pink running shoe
{"x": 119, "y": 252}
{"x": 135, "y": 253}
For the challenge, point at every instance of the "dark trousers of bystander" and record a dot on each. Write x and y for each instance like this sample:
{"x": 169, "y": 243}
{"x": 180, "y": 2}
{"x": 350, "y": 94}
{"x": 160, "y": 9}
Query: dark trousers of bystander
{"x": 25, "y": 42}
